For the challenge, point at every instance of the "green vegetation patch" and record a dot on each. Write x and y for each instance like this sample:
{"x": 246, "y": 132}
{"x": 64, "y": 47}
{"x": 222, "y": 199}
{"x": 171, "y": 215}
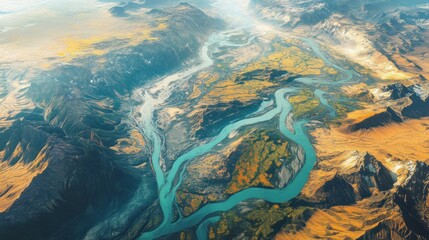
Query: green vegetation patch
{"x": 260, "y": 155}
{"x": 262, "y": 222}
{"x": 304, "y": 103}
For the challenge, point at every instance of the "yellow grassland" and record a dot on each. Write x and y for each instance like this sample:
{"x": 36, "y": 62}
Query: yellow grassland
{"x": 252, "y": 168}
{"x": 214, "y": 166}
{"x": 132, "y": 145}
{"x": 343, "y": 222}
{"x": 283, "y": 57}
{"x": 16, "y": 178}
{"x": 407, "y": 142}
{"x": 74, "y": 47}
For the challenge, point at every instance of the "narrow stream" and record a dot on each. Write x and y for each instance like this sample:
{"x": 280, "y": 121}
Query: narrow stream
{"x": 321, "y": 95}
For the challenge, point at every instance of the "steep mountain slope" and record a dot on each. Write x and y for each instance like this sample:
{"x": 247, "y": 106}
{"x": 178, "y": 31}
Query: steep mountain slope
{"x": 375, "y": 149}
{"x": 62, "y": 168}
{"x": 383, "y": 36}
{"x": 304, "y": 119}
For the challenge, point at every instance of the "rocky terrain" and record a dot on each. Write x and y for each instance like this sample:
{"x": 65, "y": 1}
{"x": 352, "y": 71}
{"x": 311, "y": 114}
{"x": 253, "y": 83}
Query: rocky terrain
{"x": 259, "y": 119}
{"x": 69, "y": 156}
{"x": 351, "y": 193}
{"x": 388, "y": 38}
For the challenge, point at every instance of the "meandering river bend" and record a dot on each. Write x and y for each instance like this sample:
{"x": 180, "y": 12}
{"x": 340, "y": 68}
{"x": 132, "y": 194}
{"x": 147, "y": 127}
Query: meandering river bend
{"x": 155, "y": 96}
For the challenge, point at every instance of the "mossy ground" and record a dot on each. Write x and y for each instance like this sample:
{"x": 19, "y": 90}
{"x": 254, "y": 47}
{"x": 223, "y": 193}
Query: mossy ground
{"x": 262, "y": 222}
{"x": 262, "y": 153}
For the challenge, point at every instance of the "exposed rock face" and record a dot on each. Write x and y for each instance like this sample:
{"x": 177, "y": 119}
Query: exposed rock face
{"x": 377, "y": 120}
{"x": 399, "y": 212}
{"x": 397, "y": 91}
{"x": 336, "y": 191}
{"x": 80, "y": 180}
{"x": 371, "y": 174}
{"x": 379, "y": 35}
{"x": 78, "y": 176}
{"x": 25, "y": 139}
{"x": 405, "y": 103}
{"x": 355, "y": 181}
{"x": 390, "y": 229}
{"x": 289, "y": 169}
{"x": 294, "y": 13}
{"x": 410, "y": 201}
{"x": 413, "y": 198}
{"x": 390, "y": 39}
{"x": 418, "y": 107}
{"x": 414, "y": 21}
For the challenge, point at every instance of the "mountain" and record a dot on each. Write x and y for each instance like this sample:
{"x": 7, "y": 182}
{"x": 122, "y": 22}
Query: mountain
{"x": 217, "y": 119}
{"x": 62, "y": 172}
{"x": 404, "y": 103}
{"x": 384, "y": 32}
